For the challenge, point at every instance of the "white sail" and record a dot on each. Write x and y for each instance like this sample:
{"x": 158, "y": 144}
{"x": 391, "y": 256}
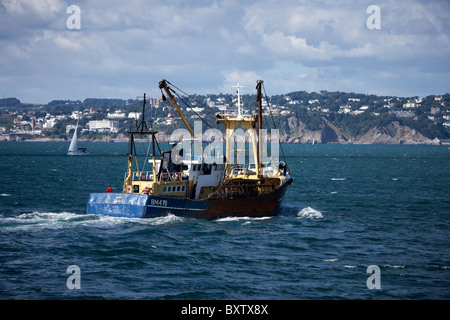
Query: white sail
{"x": 74, "y": 143}
{"x": 73, "y": 148}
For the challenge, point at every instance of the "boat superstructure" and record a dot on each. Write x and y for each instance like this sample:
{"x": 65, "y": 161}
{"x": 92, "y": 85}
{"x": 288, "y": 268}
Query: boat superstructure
{"x": 193, "y": 181}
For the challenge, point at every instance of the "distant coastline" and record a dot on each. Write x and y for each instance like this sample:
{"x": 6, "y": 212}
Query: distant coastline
{"x": 392, "y": 134}
{"x": 300, "y": 116}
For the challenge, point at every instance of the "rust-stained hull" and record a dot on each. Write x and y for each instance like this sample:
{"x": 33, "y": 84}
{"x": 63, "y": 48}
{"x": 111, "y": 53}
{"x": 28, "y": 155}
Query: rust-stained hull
{"x": 263, "y": 205}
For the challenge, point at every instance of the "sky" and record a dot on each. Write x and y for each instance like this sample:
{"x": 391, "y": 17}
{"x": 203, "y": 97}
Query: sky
{"x": 121, "y": 49}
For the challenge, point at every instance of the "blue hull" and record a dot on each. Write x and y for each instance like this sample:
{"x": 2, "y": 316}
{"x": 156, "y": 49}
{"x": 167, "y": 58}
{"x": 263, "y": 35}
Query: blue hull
{"x": 147, "y": 206}
{"x": 143, "y": 206}
{"x": 117, "y": 204}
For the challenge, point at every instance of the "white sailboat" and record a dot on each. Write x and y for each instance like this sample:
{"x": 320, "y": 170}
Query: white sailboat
{"x": 73, "y": 148}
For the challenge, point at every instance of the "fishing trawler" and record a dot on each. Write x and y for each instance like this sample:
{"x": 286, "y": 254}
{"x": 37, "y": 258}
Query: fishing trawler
{"x": 204, "y": 185}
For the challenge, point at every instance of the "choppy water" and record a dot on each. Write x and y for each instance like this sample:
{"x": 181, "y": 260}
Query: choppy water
{"x": 350, "y": 207}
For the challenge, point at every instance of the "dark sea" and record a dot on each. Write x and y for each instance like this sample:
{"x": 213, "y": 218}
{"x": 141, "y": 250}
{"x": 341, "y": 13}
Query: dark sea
{"x": 368, "y": 222}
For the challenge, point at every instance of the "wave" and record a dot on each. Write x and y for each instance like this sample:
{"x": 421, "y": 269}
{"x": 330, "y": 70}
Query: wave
{"x": 396, "y": 266}
{"x": 438, "y": 266}
{"x": 58, "y": 220}
{"x": 226, "y": 219}
{"x": 169, "y": 219}
{"x": 54, "y": 220}
{"x": 291, "y": 209}
{"x": 310, "y": 213}
{"x": 38, "y": 220}
{"x": 36, "y": 217}
{"x": 156, "y": 221}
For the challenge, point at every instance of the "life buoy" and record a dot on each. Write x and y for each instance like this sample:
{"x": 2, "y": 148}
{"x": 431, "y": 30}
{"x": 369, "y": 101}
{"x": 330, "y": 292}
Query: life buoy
{"x": 142, "y": 176}
{"x": 163, "y": 177}
{"x": 178, "y": 176}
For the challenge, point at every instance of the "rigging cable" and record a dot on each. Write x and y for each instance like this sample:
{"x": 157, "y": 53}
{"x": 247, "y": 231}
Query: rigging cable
{"x": 179, "y": 97}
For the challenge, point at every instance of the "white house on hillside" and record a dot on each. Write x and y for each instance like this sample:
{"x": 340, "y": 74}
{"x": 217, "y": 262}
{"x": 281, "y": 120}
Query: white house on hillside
{"x": 103, "y": 125}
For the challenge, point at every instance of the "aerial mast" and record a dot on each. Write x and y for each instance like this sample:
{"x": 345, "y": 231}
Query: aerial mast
{"x": 239, "y": 98}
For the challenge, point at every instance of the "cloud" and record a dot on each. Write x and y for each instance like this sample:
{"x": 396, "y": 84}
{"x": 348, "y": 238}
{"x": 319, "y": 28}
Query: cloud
{"x": 246, "y": 79}
{"x": 203, "y": 46}
{"x": 26, "y": 18}
{"x": 290, "y": 46}
{"x": 339, "y": 30}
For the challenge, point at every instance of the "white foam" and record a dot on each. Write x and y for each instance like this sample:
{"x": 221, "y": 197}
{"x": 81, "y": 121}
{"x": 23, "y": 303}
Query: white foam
{"x": 338, "y": 179}
{"x": 310, "y": 213}
{"x": 5, "y": 195}
{"x": 248, "y": 219}
{"x": 398, "y": 266}
{"x": 108, "y": 221}
{"x": 170, "y": 218}
{"x": 350, "y": 266}
{"x": 55, "y": 220}
{"x": 47, "y": 216}
{"x": 330, "y": 260}
{"x": 42, "y": 220}
{"x": 442, "y": 267}
{"x": 231, "y": 219}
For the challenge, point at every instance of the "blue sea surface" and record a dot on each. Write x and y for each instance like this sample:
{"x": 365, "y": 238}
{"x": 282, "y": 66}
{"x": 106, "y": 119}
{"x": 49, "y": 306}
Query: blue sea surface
{"x": 349, "y": 207}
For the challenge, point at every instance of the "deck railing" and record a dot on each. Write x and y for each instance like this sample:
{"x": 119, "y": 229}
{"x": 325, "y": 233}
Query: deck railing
{"x": 148, "y": 176}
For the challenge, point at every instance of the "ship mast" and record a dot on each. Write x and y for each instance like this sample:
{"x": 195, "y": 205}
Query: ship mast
{"x": 260, "y": 142}
{"x": 249, "y": 122}
{"x": 239, "y": 99}
{"x": 141, "y": 129}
